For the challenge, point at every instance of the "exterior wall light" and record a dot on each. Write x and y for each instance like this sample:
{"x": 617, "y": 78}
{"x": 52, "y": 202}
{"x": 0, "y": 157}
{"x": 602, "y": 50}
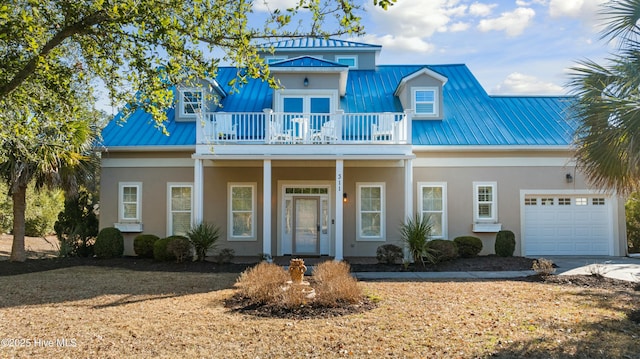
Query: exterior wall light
{"x": 569, "y": 178}
{"x": 305, "y": 82}
{"x": 344, "y": 198}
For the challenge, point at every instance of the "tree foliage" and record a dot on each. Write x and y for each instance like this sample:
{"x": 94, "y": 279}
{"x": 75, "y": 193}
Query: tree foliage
{"x": 142, "y": 47}
{"x": 632, "y": 209}
{"x": 608, "y": 104}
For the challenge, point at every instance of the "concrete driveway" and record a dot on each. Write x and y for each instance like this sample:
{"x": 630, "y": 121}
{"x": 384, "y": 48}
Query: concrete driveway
{"x": 625, "y": 268}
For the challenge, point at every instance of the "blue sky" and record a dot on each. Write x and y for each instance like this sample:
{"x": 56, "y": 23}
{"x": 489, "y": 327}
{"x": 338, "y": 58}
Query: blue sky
{"x": 513, "y": 47}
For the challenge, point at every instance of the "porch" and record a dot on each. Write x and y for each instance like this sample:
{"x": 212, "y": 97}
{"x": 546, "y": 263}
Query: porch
{"x": 239, "y": 131}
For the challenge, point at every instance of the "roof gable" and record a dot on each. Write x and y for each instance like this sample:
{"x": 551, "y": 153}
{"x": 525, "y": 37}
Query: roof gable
{"x": 422, "y": 72}
{"x": 318, "y": 43}
{"x": 307, "y": 61}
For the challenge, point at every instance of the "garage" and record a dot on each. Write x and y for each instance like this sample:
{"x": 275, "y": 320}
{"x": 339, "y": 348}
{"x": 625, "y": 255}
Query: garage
{"x": 567, "y": 225}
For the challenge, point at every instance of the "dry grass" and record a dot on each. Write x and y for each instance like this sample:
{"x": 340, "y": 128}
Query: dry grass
{"x": 36, "y": 247}
{"x": 335, "y": 285}
{"x": 116, "y": 313}
{"x": 262, "y": 283}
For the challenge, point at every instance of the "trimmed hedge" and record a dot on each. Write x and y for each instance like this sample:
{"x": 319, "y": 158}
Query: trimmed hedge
{"x": 160, "y": 251}
{"x": 468, "y": 246}
{"x": 109, "y": 244}
{"x": 180, "y": 247}
{"x": 143, "y": 245}
{"x": 505, "y": 243}
{"x": 443, "y": 250}
{"x": 389, "y": 254}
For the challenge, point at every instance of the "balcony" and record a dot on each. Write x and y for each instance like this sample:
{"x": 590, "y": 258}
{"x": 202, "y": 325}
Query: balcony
{"x": 276, "y": 133}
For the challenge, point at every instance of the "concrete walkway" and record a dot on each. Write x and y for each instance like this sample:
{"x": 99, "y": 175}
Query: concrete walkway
{"x": 624, "y": 268}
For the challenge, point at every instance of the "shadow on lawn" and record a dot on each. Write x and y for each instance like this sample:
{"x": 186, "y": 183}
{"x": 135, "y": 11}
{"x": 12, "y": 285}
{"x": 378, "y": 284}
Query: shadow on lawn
{"x": 112, "y": 286}
{"x": 604, "y": 339}
{"x": 607, "y": 338}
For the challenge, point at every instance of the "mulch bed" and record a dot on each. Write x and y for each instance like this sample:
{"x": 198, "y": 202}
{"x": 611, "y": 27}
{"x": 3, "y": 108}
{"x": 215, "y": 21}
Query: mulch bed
{"x": 479, "y": 263}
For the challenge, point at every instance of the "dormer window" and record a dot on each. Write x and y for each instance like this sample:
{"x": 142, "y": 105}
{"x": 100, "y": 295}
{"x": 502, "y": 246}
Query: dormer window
{"x": 190, "y": 102}
{"x": 425, "y": 101}
{"x": 351, "y": 61}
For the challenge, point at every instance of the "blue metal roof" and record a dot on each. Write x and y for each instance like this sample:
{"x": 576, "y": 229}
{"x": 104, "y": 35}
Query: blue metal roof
{"x": 139, "y": 130}
{"x": 307, "y": 61}
{"x": 317, "y": 43}
{"x": 471, "y": 116}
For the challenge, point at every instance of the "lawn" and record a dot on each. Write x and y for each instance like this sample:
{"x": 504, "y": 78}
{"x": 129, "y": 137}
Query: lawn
{"x": 103, "y": 312}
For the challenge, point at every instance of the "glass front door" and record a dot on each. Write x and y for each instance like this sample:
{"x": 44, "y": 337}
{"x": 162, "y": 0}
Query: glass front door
{"x": 306, "y": 225}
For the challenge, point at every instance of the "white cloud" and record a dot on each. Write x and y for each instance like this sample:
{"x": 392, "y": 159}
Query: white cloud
{"x": 513, "y": 23}
{"x": 459, "y": 26}
{"x": 517, "y": 83}
{"x": 416, "y": 18}
{"x": 479, "y": 9}
{"x": 574, "y": 8}
{"x": 398, "y": 43}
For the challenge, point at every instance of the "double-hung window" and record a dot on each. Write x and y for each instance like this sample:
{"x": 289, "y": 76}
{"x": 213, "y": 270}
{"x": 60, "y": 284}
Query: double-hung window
{"x": 371, "y": 210}
{"x": 130, "y": 202}
{"x": 432, "y": 205}
{"x": 180, "y": 198}
{"x": 485, "y": 202}
{"x": 425, "y": 101}
{"x": 242, "y": 211}
{"x": 190, "y": 102}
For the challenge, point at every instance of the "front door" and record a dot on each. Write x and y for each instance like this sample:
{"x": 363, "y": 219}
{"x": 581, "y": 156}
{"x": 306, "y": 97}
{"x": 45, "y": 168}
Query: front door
{"x": 306, "y": 220}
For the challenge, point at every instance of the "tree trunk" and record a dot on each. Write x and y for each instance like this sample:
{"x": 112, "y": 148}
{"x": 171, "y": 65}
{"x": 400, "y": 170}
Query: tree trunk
{"x": 19, "y": 197}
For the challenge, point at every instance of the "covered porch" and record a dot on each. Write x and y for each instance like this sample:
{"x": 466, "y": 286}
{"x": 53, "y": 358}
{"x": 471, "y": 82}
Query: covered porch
{"x": 288, "y": 197}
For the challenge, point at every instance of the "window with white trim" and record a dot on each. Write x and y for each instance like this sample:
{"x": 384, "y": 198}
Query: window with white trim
{"x": 581, "y": 201}
{"x": 370, "y": 211}
{"x": 433, "y": 204}
{"x": 190, "y": 102}
{"x": 242, "y": 211}
{"x": 130, "y": 202}
{"x": 273, "y": 59}
{"x": 180, "y": 198}
{"x": 351, "y": 61}
{"x": 425, "y": 101}
{"x": 485, "y": 202}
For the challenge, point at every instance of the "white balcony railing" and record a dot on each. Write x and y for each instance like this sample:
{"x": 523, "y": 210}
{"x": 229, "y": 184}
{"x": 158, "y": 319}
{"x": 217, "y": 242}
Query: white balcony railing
{"x": 304, "y": 128}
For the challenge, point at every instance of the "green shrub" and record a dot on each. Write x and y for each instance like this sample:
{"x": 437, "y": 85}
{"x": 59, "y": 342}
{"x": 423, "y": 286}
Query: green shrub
{"x": 143, "y": 245}
{"x": 415, "y": 233}
{"x": 389, "y": 254}
{"x": 180, "y": 247}
{"x": 468, "y": 246}
{"x": 109, "y": 244}
{"x": 37, "y": 226}
{"x": 160, "y": 251}
{"x": 505, "y": 243}
{"x": 225, "y": 256}
{"x": 203, "y": 237}
{"x": 77, "y": 225}
{"x": 632, "y": 210}
{"x": 443, "y": 250}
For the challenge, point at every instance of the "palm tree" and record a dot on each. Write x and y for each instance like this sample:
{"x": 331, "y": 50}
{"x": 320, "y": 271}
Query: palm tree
{"x": 49, "y": 146}
{"x": 607, "y": 108}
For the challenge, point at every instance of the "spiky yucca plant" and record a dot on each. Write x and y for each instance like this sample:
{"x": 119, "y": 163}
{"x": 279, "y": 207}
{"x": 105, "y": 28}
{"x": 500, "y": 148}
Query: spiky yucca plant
{"x": 203, "y": 237}
{"x": 415, "y": 233}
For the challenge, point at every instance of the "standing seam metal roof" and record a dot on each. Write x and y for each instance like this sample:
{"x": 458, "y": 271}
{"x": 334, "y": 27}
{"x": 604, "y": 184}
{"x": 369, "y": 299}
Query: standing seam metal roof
{"x": 471, "y": 116}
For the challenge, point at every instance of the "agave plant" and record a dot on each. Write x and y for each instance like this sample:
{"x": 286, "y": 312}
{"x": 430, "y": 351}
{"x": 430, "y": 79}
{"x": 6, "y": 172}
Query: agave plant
{"x": 203, "y": 236}
{"x": 415, "y": 233}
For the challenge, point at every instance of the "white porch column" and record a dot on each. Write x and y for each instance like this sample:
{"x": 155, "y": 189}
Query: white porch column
{"x": 408, "y": 189}
{"x": 266, "y": 208}
{"x": 339, "y": 210}
{"x": 198, "y": 191}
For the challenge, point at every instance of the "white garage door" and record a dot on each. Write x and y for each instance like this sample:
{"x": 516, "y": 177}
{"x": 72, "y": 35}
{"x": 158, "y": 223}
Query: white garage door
{"x": 566, "y": 225}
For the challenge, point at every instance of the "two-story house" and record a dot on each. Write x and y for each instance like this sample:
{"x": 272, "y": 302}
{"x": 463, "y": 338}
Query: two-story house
{"x": 345, "y": 151}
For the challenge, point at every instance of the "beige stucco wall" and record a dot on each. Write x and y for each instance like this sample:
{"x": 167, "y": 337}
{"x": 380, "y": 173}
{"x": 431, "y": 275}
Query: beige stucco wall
{"x": 514, "y": 172}
{"x": 154, "y": 197}
{"x": 521, "y": 171}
